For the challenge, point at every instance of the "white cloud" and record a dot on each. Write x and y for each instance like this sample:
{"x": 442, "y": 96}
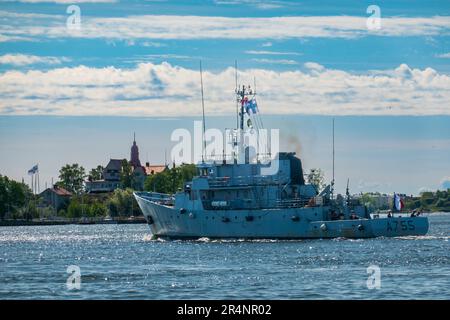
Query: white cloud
{"x": 275, "y": 53}
{"x": 206, "y": 27}
{"x": 276, "y": 61}
{"x": 314, "y": 66}
{"x": 259, "y": 4}
{"x": 151, "y": 57}
{"x": 23, "y": 59}
{"x": 166, "y": 90}
{"x": 62, "y": 1}
{"x": 444, "y": 55}
{"x": 153, "y": 44}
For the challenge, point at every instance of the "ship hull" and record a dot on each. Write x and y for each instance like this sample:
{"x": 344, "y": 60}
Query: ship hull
{"x": 293, "y": 223}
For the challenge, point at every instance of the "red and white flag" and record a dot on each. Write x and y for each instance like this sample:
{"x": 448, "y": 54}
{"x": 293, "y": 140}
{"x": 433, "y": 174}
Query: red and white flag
{"x": 399, "y": 205}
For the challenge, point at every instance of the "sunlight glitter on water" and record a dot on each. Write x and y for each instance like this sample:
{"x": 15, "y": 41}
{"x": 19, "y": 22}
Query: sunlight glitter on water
{"x": 126, "y": 262}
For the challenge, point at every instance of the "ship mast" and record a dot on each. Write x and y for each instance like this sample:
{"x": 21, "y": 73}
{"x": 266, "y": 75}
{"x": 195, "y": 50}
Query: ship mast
{"x": 242, "y": 94}
{"x": 332, "y": 181}
{"x": 235, "y": 91}
{"x": 245, "y": 104}
{"x": 203, "y": 116}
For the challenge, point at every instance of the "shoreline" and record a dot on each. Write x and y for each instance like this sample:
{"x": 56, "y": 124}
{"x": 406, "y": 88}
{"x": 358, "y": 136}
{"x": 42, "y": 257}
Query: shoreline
{"x": 17, "y": 223}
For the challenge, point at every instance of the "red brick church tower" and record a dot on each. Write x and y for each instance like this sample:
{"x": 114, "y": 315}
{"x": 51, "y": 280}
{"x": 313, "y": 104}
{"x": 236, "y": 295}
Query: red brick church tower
{"x": 135, "y": 162}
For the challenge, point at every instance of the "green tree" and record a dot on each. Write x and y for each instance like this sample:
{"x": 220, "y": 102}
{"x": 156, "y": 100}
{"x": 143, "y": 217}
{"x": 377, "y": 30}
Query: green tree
{"x": 426, "y": 199}
{"x": 316, "y": 178}
{"x": 368, "y": 201}
{"x": 98, "y": 209}
{"x": 170, "y": 180}
{"x": 440, "y": 203}
{"x": 112, "y": 207}
{"x": 126, "y": 174}
{"x": 30, "y": 211}
{"x": 96, "y": 173}
{"x": 72, "y": 178}
{"x": 14, "y": 197}
{"x": 75, "y": 209}
{"x": 159, "y": 182}
{"x": 187, "y": 171}
{"x": 122, "y": 203}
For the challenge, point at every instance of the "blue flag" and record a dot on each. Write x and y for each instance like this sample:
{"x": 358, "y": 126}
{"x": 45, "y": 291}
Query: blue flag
{"x": 251, "y": 105}
{"x": 33, "y": 170}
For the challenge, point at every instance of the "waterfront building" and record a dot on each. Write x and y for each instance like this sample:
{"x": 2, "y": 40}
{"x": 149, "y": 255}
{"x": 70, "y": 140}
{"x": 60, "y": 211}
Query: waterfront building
{"x": 154, "y": 169}
{"x": 111, "y": 173}
{"x": 110, "y": 181}
{"x": 56, "y": 197}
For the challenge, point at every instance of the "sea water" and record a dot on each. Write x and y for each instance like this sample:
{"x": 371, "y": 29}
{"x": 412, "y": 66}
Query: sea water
{"x": 123, "y": 262}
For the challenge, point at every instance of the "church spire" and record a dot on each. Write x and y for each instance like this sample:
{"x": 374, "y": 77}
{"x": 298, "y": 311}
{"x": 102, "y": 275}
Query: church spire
{"x": 135, "y": 153}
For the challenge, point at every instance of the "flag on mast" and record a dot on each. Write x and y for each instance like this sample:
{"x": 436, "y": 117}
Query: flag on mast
{"x": 33, "y": 170}
{"x": 398, "y": 202}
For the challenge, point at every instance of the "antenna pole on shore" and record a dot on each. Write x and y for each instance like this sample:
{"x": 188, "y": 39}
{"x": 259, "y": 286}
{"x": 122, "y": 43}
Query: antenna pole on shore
{"x": 203, "y": 114}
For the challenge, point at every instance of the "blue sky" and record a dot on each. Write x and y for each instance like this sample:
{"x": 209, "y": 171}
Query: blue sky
{"x": 77, "y": 95}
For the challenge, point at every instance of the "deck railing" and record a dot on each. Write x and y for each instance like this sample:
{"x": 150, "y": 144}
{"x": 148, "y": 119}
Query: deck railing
{"x": 244, "y": 181}
{"x": 161, "y": 198}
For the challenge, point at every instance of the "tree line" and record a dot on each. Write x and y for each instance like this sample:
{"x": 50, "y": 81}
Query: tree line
{"x": 18, "y": 202}
{"x": 428, "y": 201}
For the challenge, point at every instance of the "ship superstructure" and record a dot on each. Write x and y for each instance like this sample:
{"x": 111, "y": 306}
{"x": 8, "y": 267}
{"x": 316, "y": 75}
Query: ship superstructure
{"x": 239, "y": 197}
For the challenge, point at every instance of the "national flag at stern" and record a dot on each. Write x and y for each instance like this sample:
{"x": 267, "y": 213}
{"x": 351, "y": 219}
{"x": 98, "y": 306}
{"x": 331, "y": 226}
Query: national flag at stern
{"x": 398, "y": 202}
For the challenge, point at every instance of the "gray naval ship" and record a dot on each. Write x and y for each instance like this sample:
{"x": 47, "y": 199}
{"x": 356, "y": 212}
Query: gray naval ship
{"x": 238, "y": 200}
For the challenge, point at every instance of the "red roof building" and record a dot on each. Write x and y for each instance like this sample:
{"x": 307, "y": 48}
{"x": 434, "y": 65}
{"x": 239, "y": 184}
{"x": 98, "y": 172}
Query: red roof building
{"x": 57, "y": 197}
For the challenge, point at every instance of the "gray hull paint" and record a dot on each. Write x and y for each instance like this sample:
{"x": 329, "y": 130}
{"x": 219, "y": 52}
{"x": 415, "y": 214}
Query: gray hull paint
{"x": 165, "y": 221}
